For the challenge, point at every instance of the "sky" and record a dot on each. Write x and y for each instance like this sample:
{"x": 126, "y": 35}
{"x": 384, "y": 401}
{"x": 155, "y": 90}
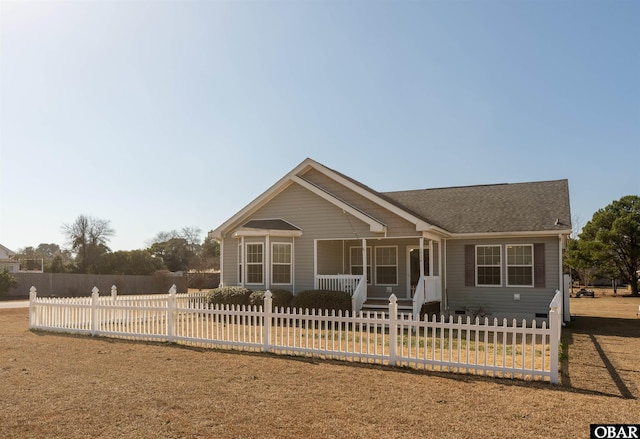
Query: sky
{"x": 159, "y": 115}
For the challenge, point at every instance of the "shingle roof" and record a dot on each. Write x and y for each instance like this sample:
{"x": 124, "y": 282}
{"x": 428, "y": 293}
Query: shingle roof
{"x": 516, "y": 207}
{"x": 270, "y": 224}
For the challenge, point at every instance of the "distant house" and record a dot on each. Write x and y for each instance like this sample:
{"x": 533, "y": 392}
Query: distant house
{"x": 7, "y": 261}
{"x": 490, "y": 250}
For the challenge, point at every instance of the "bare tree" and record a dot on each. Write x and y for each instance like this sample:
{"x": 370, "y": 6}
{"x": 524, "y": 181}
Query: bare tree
{"x": 88, "y": 238}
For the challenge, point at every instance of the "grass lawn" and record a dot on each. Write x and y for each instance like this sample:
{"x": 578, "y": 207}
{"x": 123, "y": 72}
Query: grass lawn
{"x": 54, "y": 385}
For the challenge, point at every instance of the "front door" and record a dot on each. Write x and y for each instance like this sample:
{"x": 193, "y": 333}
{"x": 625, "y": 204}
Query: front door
{"x": 413, "y": 268}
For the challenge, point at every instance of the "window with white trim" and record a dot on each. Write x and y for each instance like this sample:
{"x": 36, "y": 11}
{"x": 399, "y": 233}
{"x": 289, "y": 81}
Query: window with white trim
{"x": 280, "y": 263}
{"x": 520, "y": 265}
{"x": 488, "y": 265}
{"x": 356, "y": 262}
{"x": 387, "y": 265}
{"x": 255, "y": 263}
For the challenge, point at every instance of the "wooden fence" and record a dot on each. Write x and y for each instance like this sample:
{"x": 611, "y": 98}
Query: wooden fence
{"x": 512, "y": 350}
{"x": 72, "y": 284}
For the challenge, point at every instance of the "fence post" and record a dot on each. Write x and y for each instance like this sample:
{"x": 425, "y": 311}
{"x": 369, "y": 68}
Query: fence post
{"x": 266, "y": 324}
{"x": 95, "y": 292}
{"x": 171, "y": 309}
{"x": 393, "y": 330}
{"x": 555, "y": 320}
{"x": 114, "y": 292}
{"x": 32, "y": 308}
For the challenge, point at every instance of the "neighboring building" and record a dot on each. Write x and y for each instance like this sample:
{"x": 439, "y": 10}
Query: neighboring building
{"x": 6, "y": 260}
{"x": 490, "y": 249}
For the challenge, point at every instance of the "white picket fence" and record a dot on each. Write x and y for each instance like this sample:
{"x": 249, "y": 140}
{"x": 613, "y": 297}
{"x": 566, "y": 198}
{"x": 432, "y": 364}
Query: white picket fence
{"x": 525, "y": 351}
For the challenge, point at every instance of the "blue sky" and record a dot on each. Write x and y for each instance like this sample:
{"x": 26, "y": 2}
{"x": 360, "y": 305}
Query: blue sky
{"x": 158, "y": 115}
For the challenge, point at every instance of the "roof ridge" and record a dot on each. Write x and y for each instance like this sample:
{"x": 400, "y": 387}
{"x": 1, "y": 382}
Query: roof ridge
{"x": 476, "y": 186}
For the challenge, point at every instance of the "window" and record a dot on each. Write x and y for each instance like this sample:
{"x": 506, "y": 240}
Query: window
{"x": 488, "y": 265}
{"x": 254, "y": 263}
{"x": 386, "y": 265}
{"x": 356, "y": 262}
{"x": 520, "y": 265}
{"x": 280, "y": 263}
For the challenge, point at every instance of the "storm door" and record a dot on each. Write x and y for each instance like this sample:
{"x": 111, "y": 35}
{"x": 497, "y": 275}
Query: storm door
{"x": 413, "y": 268}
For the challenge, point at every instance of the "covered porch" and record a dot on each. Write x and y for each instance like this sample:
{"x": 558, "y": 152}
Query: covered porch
{"x": 410, "y": 268}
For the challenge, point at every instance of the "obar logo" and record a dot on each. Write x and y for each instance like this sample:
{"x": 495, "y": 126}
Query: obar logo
{"x": 615, "y": 431}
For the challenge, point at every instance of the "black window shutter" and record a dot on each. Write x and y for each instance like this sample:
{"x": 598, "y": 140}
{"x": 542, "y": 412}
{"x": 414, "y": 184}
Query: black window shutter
{"x": 470, "y": 265}
{"x": 538, "y": 265}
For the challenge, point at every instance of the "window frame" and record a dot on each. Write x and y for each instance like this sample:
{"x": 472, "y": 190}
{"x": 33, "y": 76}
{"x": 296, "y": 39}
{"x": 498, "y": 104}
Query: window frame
{"x": 531, "y": 265}
{"x": 377, "y": 265}
{"x": 247, "y": 263}
{"x": 369, "y": 260}
{"x": 478, "y": 266}
{"x": 274, "y": 263}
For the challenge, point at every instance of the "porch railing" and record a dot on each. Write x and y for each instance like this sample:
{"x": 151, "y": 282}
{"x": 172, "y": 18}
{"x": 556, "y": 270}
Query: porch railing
{"x": 428, "y": 289}
{"x": 359, "y": 296}
{"x": 338, "y": 282}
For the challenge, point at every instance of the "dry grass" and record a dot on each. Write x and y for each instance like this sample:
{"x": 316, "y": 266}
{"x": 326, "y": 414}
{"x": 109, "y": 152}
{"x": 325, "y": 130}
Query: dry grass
{"x": 54, "y": 385}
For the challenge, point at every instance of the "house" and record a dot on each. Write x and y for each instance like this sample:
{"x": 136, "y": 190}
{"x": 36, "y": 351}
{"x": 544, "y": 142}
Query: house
{"x": 7, "y": 261}
{"x": 477, "y": 250}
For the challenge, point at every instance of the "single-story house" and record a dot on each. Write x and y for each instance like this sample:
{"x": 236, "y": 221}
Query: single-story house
{"x": 7, "y": 261}
{"x": 491, "y": 250}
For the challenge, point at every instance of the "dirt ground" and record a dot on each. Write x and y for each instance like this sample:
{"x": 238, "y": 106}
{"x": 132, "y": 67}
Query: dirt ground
{"x": 55, "y": 385}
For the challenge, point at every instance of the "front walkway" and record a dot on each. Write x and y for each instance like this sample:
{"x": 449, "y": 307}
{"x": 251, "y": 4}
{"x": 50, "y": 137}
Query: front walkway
{"x": 14, "y": 304}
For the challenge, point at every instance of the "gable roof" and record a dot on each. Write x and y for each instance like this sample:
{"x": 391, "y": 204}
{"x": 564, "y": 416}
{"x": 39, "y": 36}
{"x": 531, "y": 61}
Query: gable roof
{"x": 7, "y": 251}
{"x": 516, "y": 207}
{"x": 499, "y": 208}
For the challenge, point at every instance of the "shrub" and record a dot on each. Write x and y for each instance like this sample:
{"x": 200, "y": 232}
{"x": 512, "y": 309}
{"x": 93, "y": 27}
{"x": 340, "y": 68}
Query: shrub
{"x": 280, "y": 298}
{"x": 7, "y": 280}
{"x": 229, "y": 296}
{"x": 322, "y": 299}
{"x": 430, "y": 309}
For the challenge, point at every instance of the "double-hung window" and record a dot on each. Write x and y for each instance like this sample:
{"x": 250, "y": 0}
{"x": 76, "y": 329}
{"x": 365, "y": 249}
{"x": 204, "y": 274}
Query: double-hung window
{"x": 488, "y": 265}
{"x": 280, "y": 263}
{"x": 520, "y": 265}
{"x": 255, "y": 263}
{"x": 356, "y": 262}
{"x": 386, "y": 265}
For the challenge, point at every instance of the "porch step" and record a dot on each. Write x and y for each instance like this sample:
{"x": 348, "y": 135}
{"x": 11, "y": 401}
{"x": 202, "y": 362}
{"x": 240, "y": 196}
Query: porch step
{"x": 382, "y": 305}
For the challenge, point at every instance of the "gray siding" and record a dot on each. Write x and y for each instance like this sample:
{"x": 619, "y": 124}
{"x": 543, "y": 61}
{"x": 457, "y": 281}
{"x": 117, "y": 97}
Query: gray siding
{"x": 396, "y": 226}
{"x": 316, "y": 217}
{"x": 335, "y": 230}
{"x": 499, "y": 301}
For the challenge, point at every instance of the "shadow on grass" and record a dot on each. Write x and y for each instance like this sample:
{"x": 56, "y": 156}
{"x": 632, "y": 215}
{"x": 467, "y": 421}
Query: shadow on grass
{"x": 592, "y": 327}
{"x": 458, "y": 377}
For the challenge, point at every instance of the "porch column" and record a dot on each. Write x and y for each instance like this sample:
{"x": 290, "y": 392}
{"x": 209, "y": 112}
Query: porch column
{"x": 242, "y": 264}
{"x": 421, "y": 256}
{"x": 267, "y": 265}
{"x": 431, "y": 257}
{"x": 315, "y": 263}
{"x": 221, "y": 283}
{"x": 293, "y": 265}
{"x": 364, "y": 260}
